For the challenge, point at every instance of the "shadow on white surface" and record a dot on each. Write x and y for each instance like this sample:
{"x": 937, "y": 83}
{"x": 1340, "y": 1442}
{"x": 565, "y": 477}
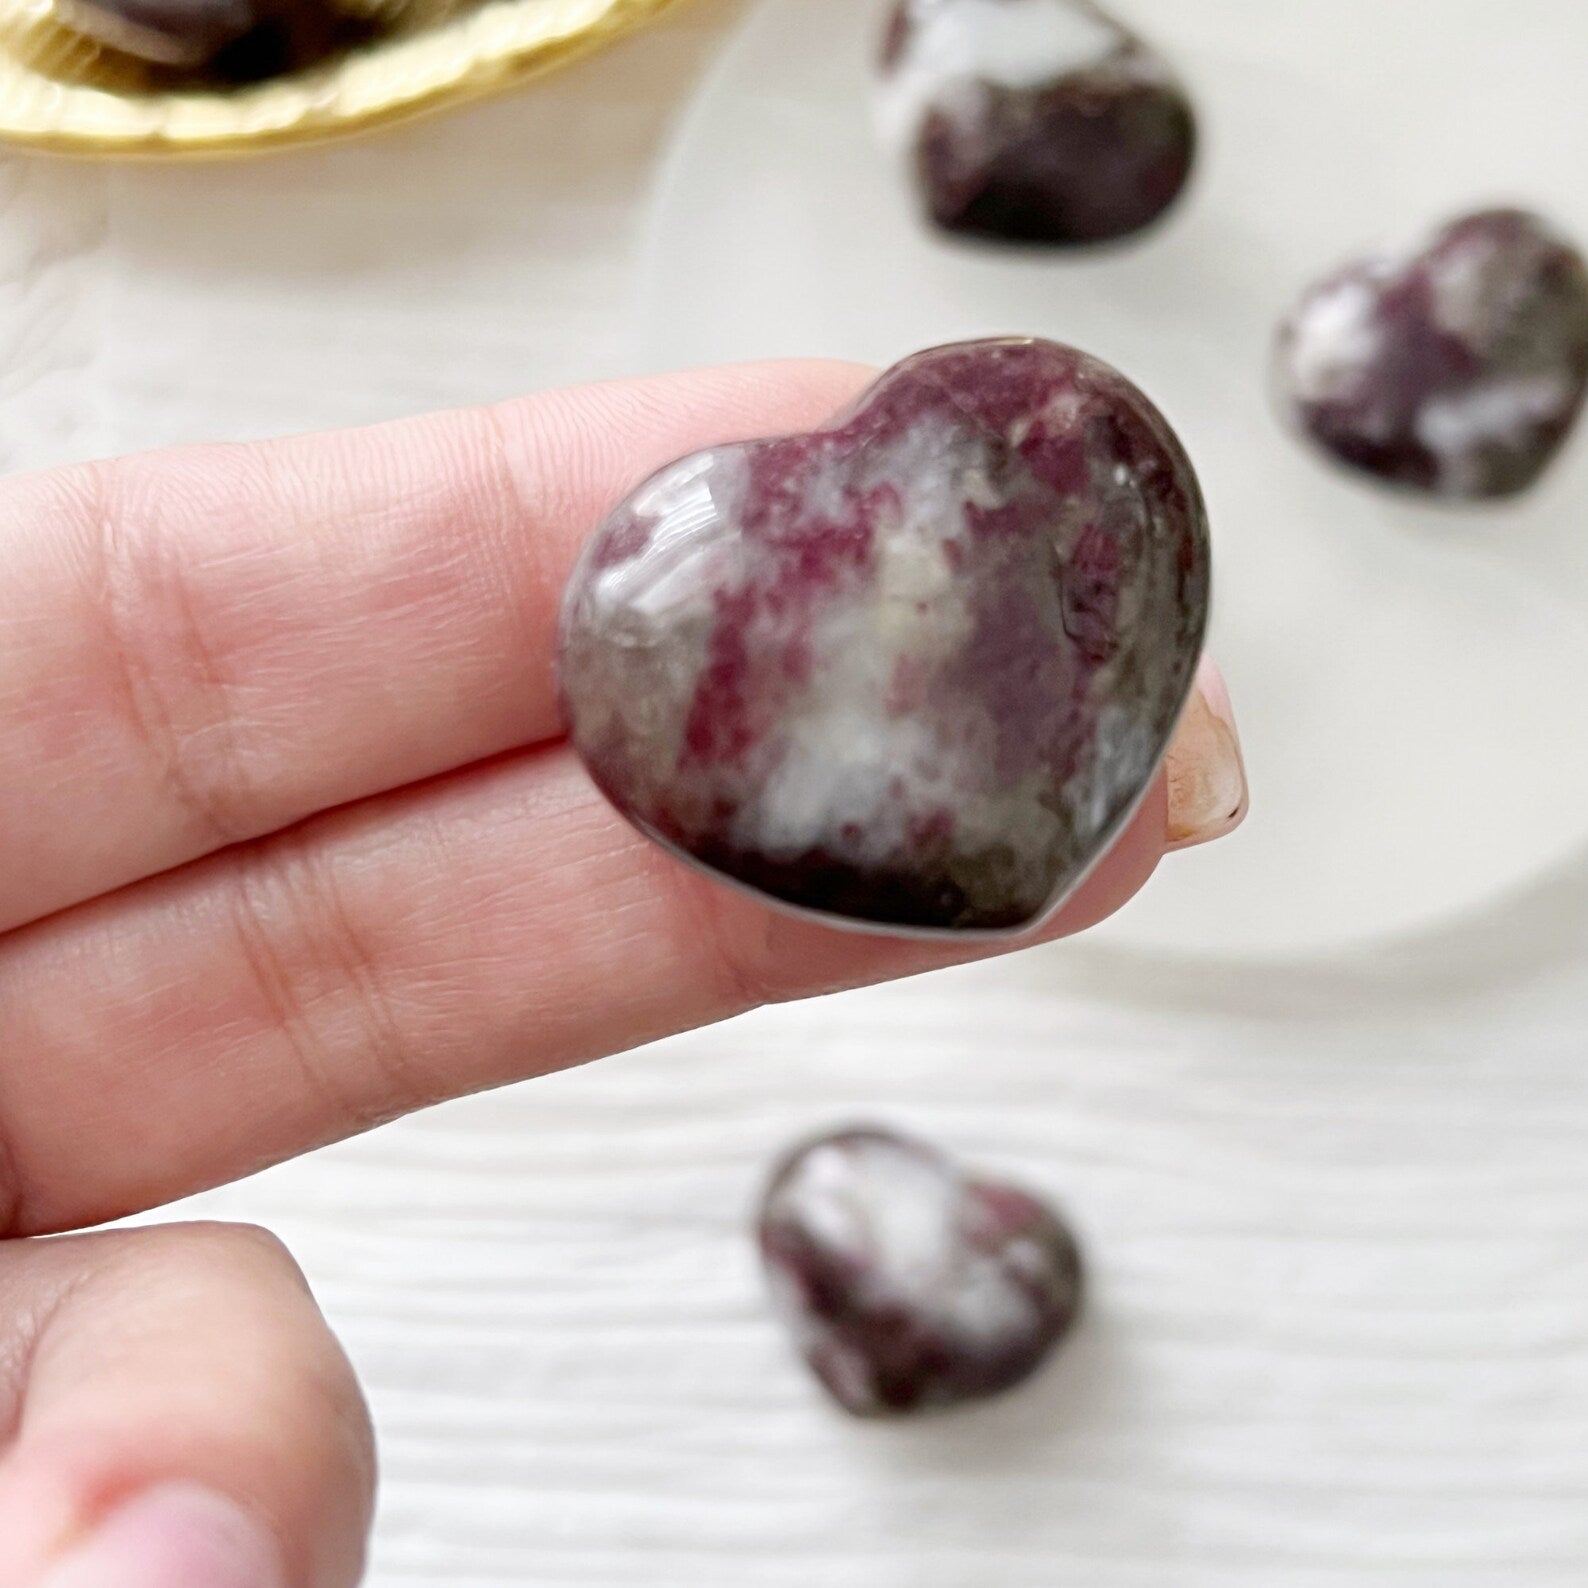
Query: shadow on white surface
{"x": 1084, "y": 1392}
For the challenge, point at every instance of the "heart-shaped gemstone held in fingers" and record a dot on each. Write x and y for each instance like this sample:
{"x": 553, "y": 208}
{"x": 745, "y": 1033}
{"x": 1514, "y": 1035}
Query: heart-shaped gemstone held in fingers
{"x": 913, "y": 670}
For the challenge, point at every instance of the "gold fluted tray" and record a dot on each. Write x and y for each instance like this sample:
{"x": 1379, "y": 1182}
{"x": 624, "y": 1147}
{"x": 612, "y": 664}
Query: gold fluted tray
{"x": 61, "y": 93}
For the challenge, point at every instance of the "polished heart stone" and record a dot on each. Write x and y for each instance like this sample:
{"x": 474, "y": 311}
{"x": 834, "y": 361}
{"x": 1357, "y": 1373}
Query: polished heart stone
{"x": 914, "y": 669}
{"x": 183, "y": 43}
{"x": 1033, "y": 121}
{"x": 184, "y": 33}
{"x": 908, "y": 1285}
{"x": 1455, "y": 370}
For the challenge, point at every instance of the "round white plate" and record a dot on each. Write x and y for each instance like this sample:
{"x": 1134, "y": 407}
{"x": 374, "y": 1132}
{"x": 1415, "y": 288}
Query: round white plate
{"x": 1412, "y": 683}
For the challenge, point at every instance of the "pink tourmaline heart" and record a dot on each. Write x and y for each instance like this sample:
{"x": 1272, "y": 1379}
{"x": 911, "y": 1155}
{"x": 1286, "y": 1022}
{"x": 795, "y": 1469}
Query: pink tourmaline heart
{"x": 909, "y": 1285}
{"x": 1033, "y": 121}
{"x": 1458, "y": 369}
{"x": 181, "y": 33}
{"x": 914, "y": 669}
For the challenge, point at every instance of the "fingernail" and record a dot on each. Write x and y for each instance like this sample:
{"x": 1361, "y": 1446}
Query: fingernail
{"x": 175, "y": 1536}
{"x": 1207, "y": 777}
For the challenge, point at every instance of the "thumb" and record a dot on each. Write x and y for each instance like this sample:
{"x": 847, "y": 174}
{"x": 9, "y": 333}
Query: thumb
{"x": 179, "y": 1415}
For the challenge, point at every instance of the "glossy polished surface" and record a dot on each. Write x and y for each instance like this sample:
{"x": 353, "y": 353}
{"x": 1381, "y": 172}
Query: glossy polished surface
{"x": 913, "y": 670}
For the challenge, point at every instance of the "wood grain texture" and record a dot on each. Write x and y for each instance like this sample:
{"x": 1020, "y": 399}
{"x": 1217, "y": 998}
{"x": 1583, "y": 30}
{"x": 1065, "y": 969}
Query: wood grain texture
{"x": 1337, "y": 1211}
{"x": 53, "y": 273}
{"x": 1337, "y": 1217}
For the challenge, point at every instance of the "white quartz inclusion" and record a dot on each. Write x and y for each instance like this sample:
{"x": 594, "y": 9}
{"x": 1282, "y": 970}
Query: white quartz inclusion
{"x": 889, "y": 1208}
{"x": 1014, "y": 43}
{"x": 1334, "y": 337}
{"x": 1494, "y": 413}
{"x": 882, "y": 1203}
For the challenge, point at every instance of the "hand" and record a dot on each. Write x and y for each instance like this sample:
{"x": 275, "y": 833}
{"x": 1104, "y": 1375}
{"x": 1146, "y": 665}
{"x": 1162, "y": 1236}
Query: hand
{"x": 292, "y": 847}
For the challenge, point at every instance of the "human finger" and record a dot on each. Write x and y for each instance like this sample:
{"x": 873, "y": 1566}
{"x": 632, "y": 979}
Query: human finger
{"x": 493, "y": 925}
{"x": 202, "y": 646}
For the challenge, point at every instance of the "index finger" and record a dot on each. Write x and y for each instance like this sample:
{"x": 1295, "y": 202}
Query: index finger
{"x": 205, "y": 646}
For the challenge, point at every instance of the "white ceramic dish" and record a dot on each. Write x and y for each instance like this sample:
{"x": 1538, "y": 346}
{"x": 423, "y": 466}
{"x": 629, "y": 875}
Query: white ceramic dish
{"x": 1412, "y": 683}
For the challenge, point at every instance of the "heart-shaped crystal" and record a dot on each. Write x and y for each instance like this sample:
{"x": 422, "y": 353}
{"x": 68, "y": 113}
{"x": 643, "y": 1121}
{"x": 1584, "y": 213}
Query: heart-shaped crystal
{"x": 1457, "y": 370}
{"x": 914, "y": 669}
{"x": 907, "y": 1284}
{"x": 1033, "y": 121}
{"x": 184, "y": 33}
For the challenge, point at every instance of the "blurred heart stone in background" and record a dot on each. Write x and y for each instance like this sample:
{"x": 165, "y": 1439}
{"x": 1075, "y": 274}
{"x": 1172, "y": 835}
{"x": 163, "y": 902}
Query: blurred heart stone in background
{"x": 1457, "y": 370}
{"x": 907, "y": 1284}
{"x": 1033, "y": 121}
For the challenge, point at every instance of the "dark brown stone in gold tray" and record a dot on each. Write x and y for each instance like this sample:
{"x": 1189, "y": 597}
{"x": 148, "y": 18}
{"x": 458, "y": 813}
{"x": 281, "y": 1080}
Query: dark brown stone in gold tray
{"x": 223, "y": 41}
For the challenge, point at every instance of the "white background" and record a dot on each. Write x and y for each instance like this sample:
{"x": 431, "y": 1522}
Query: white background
{"x": 1337, "y": 1205}
{"x": 1401, "y": 636}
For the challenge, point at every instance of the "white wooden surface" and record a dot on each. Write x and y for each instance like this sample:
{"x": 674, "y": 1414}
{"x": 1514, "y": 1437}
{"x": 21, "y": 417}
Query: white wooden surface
{"x": 1337, "y": 1210}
